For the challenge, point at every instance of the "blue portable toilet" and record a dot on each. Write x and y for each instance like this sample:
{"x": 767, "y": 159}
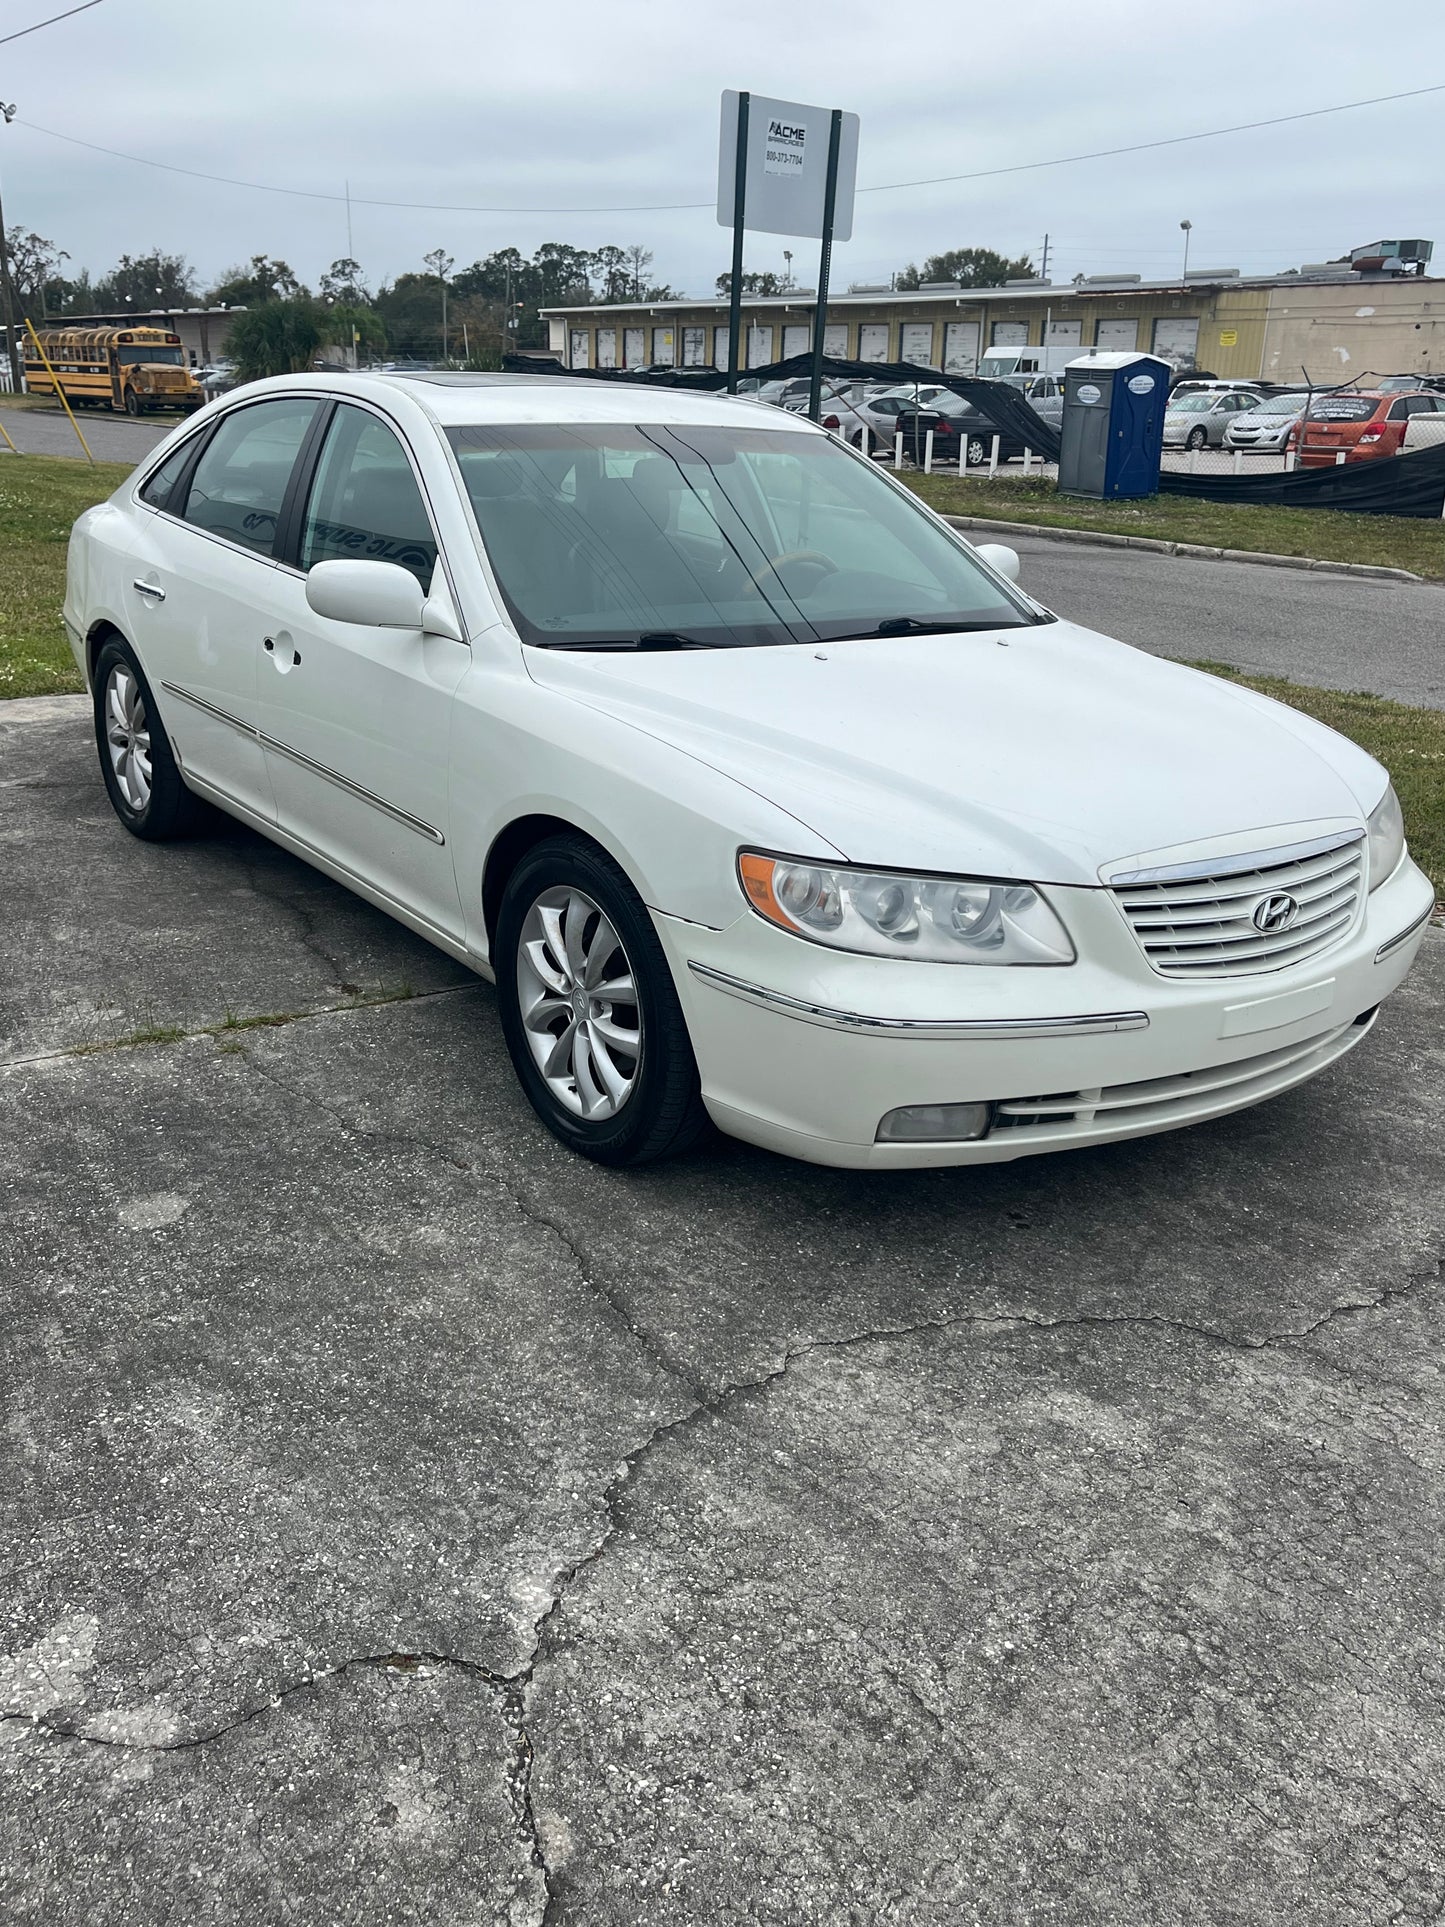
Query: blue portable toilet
{"x": 1113, "y": 429}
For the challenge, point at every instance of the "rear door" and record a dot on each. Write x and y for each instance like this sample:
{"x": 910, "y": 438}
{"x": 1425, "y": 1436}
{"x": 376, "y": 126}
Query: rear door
{"x": 201, "y": 581}
{"x": 357, "y": 720}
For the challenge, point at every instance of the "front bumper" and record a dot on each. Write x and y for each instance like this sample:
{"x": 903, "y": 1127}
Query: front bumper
{"x": 803, "y": 1050}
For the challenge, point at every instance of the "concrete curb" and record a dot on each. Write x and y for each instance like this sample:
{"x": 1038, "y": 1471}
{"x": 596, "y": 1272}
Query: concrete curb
{"x": 43, "y": 709}
{"x": 1100, "y": 538}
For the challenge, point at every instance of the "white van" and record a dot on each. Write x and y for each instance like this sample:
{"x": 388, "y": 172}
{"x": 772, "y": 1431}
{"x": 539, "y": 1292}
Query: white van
{"x": 1005, "y": 364}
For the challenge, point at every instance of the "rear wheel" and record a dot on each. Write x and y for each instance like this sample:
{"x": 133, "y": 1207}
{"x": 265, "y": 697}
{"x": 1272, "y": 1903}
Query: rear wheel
{"x": 1196, "y": 438}
{"x": 589, "y": 1011}
{"x": 141, "y": 775}
{"x": 977, "y": 451}
{"x": 132, "y": 402}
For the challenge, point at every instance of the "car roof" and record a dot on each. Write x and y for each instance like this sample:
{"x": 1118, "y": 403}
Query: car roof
{"x": 462, "y": 400}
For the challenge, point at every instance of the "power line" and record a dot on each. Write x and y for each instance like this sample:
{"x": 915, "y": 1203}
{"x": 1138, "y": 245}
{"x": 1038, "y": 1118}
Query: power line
{"x": 692, "y": 207}
{"x": 5, "y": 39}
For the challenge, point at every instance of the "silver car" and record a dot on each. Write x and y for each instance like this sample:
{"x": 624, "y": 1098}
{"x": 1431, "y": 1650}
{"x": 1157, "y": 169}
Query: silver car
{"x": 1199, "y": 420}
{"x": 1266, "y": 426}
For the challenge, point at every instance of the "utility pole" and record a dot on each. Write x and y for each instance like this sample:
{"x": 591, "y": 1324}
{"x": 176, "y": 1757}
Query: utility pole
{"x": 7, "y": 286}
{"x": 1187, "y": 226}
{"x": 1044, "y": 268}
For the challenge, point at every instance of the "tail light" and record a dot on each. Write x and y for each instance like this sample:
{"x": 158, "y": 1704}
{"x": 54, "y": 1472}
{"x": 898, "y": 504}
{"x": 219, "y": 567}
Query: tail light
{"x": 831, "y": 421}
{"x": 1373, "y": 435}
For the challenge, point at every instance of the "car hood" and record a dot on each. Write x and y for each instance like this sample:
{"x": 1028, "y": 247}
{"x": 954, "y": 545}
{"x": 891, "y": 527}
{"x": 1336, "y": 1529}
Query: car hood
{"x": 1046, "y": 752}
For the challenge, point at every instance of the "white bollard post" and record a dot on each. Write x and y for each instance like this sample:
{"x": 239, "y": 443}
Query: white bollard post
{"x": 928, "y": 453}
{"x": 1028, "y": 457}
{"x": 898, "y": 448}
{"x": 866, "y": 444}
{"x": 962, "y": 452}
{"x": 1238, "y": 458}
{"x": 993, "y": 459}
{"x": 1193, "y": 460}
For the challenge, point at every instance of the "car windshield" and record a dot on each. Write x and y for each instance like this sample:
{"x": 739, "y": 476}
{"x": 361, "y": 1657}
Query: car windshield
{"x": 1192, "y": 404}
{"x": 1281, "y": 405}
{"x": 654, "y": 536}
{"x": 148, "y": 352}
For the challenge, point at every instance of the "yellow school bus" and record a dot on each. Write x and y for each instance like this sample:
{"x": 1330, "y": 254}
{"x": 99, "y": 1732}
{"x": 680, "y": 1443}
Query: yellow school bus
{"x": 134, "y": 369}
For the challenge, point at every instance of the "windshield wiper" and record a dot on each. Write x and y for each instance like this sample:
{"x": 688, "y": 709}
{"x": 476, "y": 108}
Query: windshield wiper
{"x": 911, "y": 626}
{"x": 649, "y": 640}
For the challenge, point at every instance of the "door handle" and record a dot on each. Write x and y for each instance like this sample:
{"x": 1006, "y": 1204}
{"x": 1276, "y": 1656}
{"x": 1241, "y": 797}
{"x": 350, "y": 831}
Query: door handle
{"x": 152, "y": 589}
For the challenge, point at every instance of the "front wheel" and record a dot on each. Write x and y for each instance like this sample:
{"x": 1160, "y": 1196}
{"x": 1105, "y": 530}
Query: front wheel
{"x": 141, "y": 775}
{"x": 589, "y": 1011}
{"x": 1196, "y": 438}
{"x": 977, "y": 451}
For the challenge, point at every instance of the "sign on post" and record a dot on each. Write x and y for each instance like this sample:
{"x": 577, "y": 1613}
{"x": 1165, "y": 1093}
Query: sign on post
{"x": 785, "y": 168}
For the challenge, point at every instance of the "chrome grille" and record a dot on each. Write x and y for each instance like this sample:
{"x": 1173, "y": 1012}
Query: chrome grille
{"x": 1200, "y": 923}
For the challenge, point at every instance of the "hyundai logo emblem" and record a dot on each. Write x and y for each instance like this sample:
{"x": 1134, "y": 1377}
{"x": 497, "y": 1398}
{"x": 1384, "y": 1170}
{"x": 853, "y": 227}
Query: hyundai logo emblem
{"x": 1275, "y": 913}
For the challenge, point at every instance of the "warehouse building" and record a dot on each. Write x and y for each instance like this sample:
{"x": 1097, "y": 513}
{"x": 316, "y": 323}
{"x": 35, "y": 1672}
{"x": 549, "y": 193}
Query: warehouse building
{"x": 1332, "y": 322}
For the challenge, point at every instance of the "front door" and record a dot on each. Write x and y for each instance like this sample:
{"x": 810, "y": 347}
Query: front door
{"x": 202, "y": 570}
{"x": 356, "y": 720}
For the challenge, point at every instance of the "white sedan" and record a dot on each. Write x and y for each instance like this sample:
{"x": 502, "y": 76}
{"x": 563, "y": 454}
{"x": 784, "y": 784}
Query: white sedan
{"x": 762, "y": 796}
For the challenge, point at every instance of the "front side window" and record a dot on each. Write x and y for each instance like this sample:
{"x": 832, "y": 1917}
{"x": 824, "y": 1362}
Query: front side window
{"x": 365, "y": 503}
{"x": 240, "y": 481}
{"x": 726, "y": 537}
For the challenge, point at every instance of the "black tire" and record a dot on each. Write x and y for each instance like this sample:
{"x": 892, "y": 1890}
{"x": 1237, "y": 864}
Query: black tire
{"x": 1197, "y": 438}
{"x": 170, "y": 810}
{"x": 132, "y": 402}
{"x": 664, "y": 1113}
{"x": 977, "y": 451}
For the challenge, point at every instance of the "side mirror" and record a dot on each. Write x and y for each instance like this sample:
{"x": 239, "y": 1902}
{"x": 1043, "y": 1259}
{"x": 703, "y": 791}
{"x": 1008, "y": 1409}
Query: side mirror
{"x": 1004, "y": 561}
{"x": 380, "y": 594}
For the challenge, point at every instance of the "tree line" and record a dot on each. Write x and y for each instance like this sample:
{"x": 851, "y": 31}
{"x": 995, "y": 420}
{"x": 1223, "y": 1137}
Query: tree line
{"x": 469, "y": 315}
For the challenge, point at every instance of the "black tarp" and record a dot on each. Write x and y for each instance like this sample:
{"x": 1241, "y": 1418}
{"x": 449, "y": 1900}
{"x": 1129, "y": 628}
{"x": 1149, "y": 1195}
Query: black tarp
{"x": 999, "y": 401}
{"x": 1409, "y": 484}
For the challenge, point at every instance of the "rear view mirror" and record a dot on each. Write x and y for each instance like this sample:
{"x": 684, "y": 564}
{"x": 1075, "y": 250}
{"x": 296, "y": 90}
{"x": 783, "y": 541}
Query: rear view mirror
{"x": 380, "y": 594}
{"x": 1005, "y": 561}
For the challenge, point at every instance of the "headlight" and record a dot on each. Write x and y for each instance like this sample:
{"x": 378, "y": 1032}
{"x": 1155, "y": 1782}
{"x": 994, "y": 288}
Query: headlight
{"x": 1386, "y": 831}
{"x": 883, "y": 914}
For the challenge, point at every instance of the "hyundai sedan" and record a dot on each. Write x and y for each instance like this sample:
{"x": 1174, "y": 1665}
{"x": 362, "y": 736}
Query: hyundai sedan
{"x": 762, "y": 796}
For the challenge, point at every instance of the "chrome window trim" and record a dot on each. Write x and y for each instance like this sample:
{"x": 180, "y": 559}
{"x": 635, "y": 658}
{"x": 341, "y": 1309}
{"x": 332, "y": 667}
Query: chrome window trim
{"x": 323, "y": 770}
{"x": 980, "y": 1028}
{"x": 1228, "y": 866}
{"x": 1392, "y": 944}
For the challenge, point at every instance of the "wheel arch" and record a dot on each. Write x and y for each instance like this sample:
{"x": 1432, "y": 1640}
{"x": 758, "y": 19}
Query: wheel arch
{"x": 96, "y": 637}
{"x": 511, "y": 845}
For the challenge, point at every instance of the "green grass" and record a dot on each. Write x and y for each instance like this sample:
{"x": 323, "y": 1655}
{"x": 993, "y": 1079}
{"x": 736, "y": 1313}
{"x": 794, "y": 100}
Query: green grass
{"x": 40, "y": 496}
{"x": 1409, "y": 742}
{"x": 1388, "y": 541}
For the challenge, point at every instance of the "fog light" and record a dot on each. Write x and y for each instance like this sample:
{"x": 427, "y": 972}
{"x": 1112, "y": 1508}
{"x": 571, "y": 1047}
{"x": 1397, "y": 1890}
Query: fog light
{"x": 935, "y": 1123}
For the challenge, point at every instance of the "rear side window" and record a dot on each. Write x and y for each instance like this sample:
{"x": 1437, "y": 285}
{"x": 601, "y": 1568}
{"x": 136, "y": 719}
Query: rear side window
{"x": 240, "y": 481}
{"x": 365, "y": 502}
{"x": 157, "y": 489}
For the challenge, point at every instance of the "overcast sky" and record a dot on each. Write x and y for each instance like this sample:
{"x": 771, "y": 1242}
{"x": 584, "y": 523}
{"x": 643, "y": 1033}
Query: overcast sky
{"x": 572, "y": 105}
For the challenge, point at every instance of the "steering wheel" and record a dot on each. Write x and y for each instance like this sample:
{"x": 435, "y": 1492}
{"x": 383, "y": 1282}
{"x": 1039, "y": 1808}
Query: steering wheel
{"x": 810, "y": 557}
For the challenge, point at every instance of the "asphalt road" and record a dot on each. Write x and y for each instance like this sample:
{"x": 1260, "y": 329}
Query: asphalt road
{"x": 405, "y": 1521}
{"x": 112, "y": 438}
{"x": 1339, "y": 631}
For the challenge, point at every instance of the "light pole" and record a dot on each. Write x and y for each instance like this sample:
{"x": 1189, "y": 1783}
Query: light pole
{"x": 7, "y": 287}
{"x": 1186, "y": 225}
{"x": 441, "y": 264}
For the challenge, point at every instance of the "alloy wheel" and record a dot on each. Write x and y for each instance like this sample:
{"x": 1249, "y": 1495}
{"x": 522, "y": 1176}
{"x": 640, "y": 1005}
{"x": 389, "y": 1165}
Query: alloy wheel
{"x": 579, "y": 1004}
{"x": 128, "y": 737}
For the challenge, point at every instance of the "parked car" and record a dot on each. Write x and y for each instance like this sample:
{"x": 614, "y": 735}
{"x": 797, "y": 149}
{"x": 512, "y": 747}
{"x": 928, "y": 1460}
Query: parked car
{"x": 881, "y": 411}
{"x": 1211, "y": 385}
{"x": 1266, "y": 426}
{"x": 215, "y": 376}
{"x": 956, "y": 425}
{"x": 761, "y": 794}
{"x": 841, "y": 412}
{"x": 1198, "y": 420}
{"x": 1361, "y": 426}
{"x": 1410, "y": 385}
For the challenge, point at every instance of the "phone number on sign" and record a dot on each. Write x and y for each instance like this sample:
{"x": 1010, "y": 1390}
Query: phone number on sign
{"x": 781, "y": 157}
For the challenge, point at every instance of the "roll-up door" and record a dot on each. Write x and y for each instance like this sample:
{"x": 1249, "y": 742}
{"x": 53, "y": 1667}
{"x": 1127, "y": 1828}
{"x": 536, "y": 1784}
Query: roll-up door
{"x": 1010, "y": 334}
{"x": 664, "y": 347}
{"x": 606, "y": 347}
{"x": 694, "y": 347}
{"x": 760, "y": 346}
{"x": 835, "y": 339}
{"x": 580, "y": 356}
{"x": 1064, "y": 334}
{"x": 918, "y": 343}
{"x": 795, "y": 341}
{"x": 960, "y": 347}
{"x": 873, "y": 341}
{"x": 720, "y": 344}
{"x": 1177, "y": 340}
{"x": 1117, "y": 337}
{"x": 634, "y": 347}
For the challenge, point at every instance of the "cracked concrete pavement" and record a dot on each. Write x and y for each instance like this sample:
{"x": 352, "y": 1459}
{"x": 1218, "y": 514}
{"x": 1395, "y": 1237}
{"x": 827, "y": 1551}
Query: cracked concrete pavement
{"x": 404, "y": 1521}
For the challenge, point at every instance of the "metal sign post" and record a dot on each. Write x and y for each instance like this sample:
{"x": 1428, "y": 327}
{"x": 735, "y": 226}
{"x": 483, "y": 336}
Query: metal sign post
{"x": 735, "y": 290}
{"x": 773, "y": 178}
{"x": 825, "y": 264}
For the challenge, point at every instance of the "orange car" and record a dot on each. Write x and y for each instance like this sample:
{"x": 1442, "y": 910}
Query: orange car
{"x": 1359, "y": 426}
